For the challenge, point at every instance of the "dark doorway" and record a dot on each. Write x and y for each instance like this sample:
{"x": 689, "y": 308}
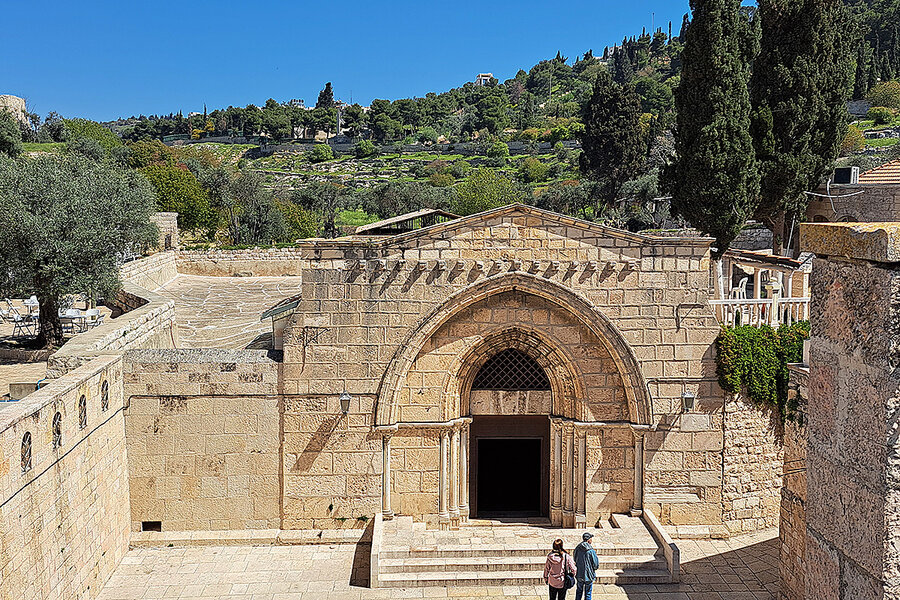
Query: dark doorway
{"x": 510, "y": 466}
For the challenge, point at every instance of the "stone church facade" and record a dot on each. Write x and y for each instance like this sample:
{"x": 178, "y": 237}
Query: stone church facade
{"x": 616, "y": 323}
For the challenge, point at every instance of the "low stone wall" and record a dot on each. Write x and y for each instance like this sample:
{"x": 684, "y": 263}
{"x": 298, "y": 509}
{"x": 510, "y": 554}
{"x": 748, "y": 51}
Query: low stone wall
{"x": 751, "y": 465}
{"x": 64, "y": 518}
{"x": 203, "y": 435}
{"x": 149, "y": 322}
{"x": 151, "y": 272}
{"x": 256, "y": 262}
{"x": 792, "y": 529}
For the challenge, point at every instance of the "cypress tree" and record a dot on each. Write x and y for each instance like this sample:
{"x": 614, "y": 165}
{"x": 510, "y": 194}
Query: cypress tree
{"x": 612, "y": 143}
{"x": 861, "y": 79}
{"x": 623, "y": 70}
{"x": 714, "y": 181}
{"x": 801, "y": 83}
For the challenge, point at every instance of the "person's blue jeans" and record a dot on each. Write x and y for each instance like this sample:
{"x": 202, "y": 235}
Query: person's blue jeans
{"x": 583, "y": 587}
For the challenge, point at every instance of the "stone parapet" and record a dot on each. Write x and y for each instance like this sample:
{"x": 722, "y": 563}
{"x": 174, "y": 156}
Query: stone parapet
{"x": 873, "y": 242}
{"x": 64, "y": 496}
{"x": 151, "y": 272}
{"x": 256, "y": 262}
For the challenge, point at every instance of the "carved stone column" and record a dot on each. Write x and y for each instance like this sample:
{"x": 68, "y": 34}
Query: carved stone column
{"x": 464, "y": 473}
{"x": 454, "y": 475}
{"x": 556, "y": 475}
{"x": 580, "y": 478}
{"x": 638, "y": 503}
{"x": 443, "y": 514}
{"x": 386, "y": 511}
{"x": 569, "y": 508}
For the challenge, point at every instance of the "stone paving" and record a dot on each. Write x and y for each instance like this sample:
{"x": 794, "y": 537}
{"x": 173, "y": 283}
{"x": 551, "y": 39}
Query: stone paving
{"x": 13, "y": 372}
{"x": 742, "y": 568}
{"x": 223, "y": 312}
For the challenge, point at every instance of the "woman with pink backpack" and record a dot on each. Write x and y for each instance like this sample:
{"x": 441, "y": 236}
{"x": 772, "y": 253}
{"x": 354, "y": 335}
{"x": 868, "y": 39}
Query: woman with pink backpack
{"x": 559, "y": 571}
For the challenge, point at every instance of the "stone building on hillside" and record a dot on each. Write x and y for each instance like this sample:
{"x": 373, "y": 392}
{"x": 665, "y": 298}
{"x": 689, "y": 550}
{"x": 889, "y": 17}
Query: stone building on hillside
{"x": 873, "y": 197}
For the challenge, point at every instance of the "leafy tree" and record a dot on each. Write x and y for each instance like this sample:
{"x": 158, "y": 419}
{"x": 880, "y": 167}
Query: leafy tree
{"x": 498, "y": 150}
{"x": 613, "y": 145}
{"x": 715, "y": 181}
{"x": 54, "y": 128}
{"x": 485, "y": 189}
{"x": 299, "y": 223}
{"x": 177, "y": 190}
{"x": 656, "y": 98}
{"x": 399, "y": 197}
{"x": 533, "y": 171}
{"x": 364, "y": 149}
{"x": 65, "y": 223}
{"x": 325, "y": 200}
{"x": 321, "y": 153}
{"x": 568, "y": 197}
{"x": 801, "y": 82}
{"x": 149, "y": 152}
{"x": 854, "y": 141}
{"x": 886, "y": 94}
{"x": 353, "y": 119}
{"x": 83, "y": 128}
{"x": 10, "y": 135}
{"x": 326, "y": 97}
{"x": 259, "y": 221}
{"x": 881, "y": 115}
{"x": 88, "y": 148}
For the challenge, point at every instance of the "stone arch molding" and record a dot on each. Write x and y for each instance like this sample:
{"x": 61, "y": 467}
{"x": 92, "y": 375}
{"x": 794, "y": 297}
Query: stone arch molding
{"x": 566, "y": 384}
{"x": 636, "y": 392}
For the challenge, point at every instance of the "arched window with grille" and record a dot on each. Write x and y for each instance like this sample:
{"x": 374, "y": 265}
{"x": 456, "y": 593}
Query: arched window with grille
{"x": 26, "y": 452}
{"x": 511, "y": 370}
{"x": 82, "y": 412}
{"x": 104, "y": 396}
{"x": 57, "y": 430}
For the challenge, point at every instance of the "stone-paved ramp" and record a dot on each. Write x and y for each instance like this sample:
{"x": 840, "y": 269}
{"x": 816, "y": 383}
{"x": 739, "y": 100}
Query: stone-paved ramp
{"x": 223, "y": 312}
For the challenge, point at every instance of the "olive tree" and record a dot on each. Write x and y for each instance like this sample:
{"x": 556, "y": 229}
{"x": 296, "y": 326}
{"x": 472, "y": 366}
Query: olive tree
{"x": 65, "y": 223}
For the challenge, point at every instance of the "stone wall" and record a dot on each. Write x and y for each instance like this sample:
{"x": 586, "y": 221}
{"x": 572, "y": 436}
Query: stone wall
{"x": 148, "y": 323}
{"x": 167, "y": 223}
{"x": 64, "y": 520}
{"x": 203, "y": 433}
{"x": 871, "y": 203}
{"x": 257, "y": 262}
{"x": 792, "y": 526}
{"x": 751, "y": 464}
{"x": 853, "y": 481}
{"x": 151, "y": 272}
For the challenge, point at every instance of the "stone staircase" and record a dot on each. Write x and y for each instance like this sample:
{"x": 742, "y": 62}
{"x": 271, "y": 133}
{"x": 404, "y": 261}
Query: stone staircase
{"x": 485, "y": 553}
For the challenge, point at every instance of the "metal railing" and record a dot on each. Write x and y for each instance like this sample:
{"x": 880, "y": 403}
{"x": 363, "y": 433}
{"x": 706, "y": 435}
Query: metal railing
{"x": 765, "y": 311}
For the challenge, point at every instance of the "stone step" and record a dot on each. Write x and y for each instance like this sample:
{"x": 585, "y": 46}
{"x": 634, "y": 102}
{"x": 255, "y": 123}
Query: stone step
{"x": 500, "y": 550}
{"x": 528, "y": 564}
{"x": 500, "y": 578}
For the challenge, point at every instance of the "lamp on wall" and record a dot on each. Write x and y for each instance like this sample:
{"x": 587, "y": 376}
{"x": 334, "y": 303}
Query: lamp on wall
{"x": 687, "y": 401}
{"x": 345, "y": 401}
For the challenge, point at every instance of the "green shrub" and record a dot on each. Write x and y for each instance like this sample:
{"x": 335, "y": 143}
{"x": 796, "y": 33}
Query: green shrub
{"x": 532, "y": 170}
{"x": 498, "y": 150}
{"x": 321, "y": 153}
{"x": 854, "y": 141}
{"x": 882, "y": 115}
{"x": 753, "y": 360}
{"x": 364, "y": 149}
{"x": 441, "y": 179}
{"x": 460, "y": 169}
{"x": 886, "y": 94}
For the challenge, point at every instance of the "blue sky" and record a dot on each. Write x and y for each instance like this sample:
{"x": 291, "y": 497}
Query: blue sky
{"x": 108, "y": 59}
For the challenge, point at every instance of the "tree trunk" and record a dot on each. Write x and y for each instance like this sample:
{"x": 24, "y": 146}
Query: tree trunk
{"x": 777, "y": 227}
{"x": 51, "y": 332}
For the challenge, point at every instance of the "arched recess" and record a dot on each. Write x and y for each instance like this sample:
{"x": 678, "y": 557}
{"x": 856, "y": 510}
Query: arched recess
{"x": 566, "y": 382}
{"x": 636, "y": 392}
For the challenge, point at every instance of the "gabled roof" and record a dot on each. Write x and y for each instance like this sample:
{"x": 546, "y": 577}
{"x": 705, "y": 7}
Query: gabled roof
{"x": 886, "y": 174}
{"x": 551, "y": 218}
{"x": 408, "y": 222}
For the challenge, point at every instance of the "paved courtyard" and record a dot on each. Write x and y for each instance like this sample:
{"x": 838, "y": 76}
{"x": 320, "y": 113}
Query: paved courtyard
{"x": 223, "y": 312}
{"x": 743, "y": 568}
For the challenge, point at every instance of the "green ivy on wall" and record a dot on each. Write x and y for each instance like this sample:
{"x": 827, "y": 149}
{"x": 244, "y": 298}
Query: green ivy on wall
{"x": 753, "y": 361}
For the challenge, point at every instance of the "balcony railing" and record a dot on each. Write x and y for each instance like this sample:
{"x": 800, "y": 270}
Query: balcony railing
{"x": 766, "y": 311}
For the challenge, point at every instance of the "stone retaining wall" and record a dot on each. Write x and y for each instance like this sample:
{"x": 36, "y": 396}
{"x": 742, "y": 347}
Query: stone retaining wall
{"x": 792, "y": 528}
{"x": 64, "y": 520}
{"x": 752, "y": 461}
{"x": 151, "y": 272}
{"x": 256, "y": 262}
{"x": 203, "y": 435}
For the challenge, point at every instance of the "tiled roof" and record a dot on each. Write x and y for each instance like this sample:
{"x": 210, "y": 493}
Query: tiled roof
{"x": 886, "y": 174}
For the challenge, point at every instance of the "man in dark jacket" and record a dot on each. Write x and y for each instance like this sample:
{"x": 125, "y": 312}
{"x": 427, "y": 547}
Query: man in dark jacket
{"x": 586, "y": 563}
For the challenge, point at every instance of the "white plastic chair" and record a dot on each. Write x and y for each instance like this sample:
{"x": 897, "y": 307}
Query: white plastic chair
{"x": 740, "y": 291}
{"x": 92, "y": 318}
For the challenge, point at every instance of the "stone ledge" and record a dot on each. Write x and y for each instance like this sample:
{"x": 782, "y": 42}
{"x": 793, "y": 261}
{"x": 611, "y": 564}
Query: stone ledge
{"x": 250, "y": 537}
{"x": 875, "y": 242}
